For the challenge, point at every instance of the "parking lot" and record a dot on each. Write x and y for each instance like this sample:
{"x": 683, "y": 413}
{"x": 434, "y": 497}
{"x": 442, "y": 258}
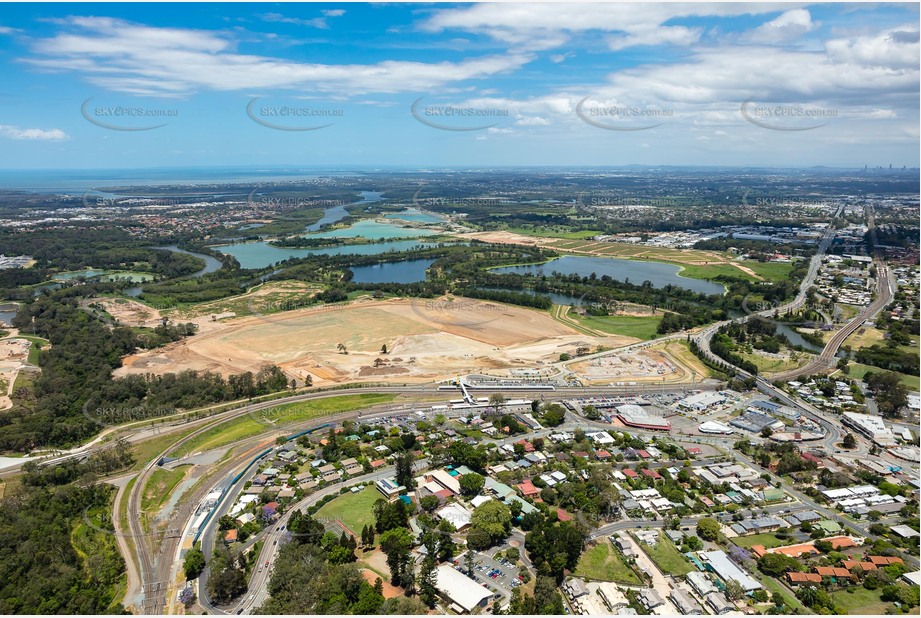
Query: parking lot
{"x": 497, "y": 575}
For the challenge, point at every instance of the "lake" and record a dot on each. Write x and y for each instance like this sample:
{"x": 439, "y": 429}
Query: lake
{"x": 408, "y": 271}
{"x": 262, "y": 254}
{"x": 658, "y": 273}
{"x": 338, "y": 213}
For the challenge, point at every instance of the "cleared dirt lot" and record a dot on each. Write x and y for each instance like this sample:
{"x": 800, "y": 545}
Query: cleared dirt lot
{"x": 425, "y": 340}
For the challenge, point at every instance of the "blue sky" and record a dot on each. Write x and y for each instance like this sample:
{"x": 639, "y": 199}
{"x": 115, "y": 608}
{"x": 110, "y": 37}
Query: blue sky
{"x": 493, "y": 84}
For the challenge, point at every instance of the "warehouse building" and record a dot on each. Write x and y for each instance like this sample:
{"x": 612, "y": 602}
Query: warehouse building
{"x": 460, "y": 590}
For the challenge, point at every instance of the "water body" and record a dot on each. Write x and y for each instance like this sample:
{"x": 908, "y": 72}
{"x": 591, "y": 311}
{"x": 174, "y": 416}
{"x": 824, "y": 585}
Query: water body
{"x": 658, "y": 273}
{"x": 408, "y": 271}
{"x": 415, "y": 215}
{"x": 86, "y": 274}
{"x": 262, "y": 254}
{"x": 338, "y": 213}
{"x": 8, "y": 311}
{"x": 211, "y": 264}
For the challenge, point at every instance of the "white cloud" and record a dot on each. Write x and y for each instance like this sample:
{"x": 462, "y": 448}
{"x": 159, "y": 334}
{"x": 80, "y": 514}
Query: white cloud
{"x": 151, "y": 61}
{"x": 316, "y": 22}
{"x": 6, "y": 30}
{"x": 787, "y": 27}
{"x": 334, "y": 13}
{"x": 548, "y": 25}
{"x": 661, "y": 35}
{"x": 48, "y": 135}
{"x": 897, "y": 47}
{"x": 883, "y": 113}
{"x": 531, "y": 121}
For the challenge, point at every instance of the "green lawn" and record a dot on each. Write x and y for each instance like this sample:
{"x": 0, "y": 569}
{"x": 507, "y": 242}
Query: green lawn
{"x": 278, "y": 416}
{"x": 860, "y": 601}
{"x": 772, "y": 271}
{"x": 604, "y": 563}
{"x": 353, "y": 510}
{"x": 159, "y": 487}
{"x": 221, "y": 435}
{"x": 766, "y": 539}
{"x": 711, "y": 271}
{"x": 858, "y": 370}
{"x": 38, "y": 344}
{"x": 641, "y": 327}
{"x": 307, "y": 410}
{"x": 555, "y": 232}
{"x": 144, "y": 451}
{"x": 772, "y": 585}
{"x": 667, "y": 557}
{"x": 768, "y": 364}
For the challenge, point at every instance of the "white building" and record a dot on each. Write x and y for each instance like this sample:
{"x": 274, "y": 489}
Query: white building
{"x": 701, "y": 401}
{"x": 460, "y": 589}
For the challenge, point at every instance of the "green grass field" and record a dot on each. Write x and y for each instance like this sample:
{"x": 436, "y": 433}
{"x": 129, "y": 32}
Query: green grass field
{"x": 767, "y": 539}
{"x": 278, "y": 416}
{"x": 604, "y": 563}
{"x": 159, "y": 487}
{"x": 772, "y": 271}
{"x": 555, "y": 232}
{"x": 641, "y": 327}
{"x": 38, "y": 343}
{"x": 858, "y": 370}
{"x": 711, "y": 271}
{"x": 667, "y": 557}
{"x": 144, "y": 451}
{"x": 767, "y": 364}
{"x": 353, "y": 510}
{"x": 772, "y": 586}
{"x": 861, "y": 601}
{"x": 307, "y": 410}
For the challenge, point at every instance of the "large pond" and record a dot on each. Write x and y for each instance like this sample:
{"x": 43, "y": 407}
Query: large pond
{"x": 634, "y": 271}
{"x": 408, "y": 271}
{"x": 262, "y": 254}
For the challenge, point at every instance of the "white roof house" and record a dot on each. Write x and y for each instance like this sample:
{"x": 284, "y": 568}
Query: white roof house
{"x": 601, "y": 437}
{"x": 456, "y": 514}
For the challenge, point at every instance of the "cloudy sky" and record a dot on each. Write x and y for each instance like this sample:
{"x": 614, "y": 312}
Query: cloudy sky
{"x": 749, "y": 84}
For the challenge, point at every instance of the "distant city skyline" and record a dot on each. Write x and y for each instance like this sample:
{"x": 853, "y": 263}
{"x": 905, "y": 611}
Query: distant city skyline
{"x": 109, "y": 86}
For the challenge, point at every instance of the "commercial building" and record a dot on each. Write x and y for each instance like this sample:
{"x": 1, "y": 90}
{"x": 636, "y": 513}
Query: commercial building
{"x": 635, "y": 416}
{"x": 713, "y": 427}
{"x": 459, "y": 516}
{"x": 460, "y": 590}
{"x": 869, "y": 426}
{"x": 701, "y": 402}
{"x": 719, "y": 563}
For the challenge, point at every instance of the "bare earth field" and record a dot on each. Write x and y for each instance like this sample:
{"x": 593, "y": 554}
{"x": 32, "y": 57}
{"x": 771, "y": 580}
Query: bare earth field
{"x": 426, "y": 340}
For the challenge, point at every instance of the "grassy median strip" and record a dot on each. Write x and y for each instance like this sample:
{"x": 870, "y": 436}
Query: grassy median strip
{"x": 262, "y": 421}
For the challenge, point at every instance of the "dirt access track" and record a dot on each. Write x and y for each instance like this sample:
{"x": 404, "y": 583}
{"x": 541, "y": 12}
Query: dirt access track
{"x": 426, "y": 340}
